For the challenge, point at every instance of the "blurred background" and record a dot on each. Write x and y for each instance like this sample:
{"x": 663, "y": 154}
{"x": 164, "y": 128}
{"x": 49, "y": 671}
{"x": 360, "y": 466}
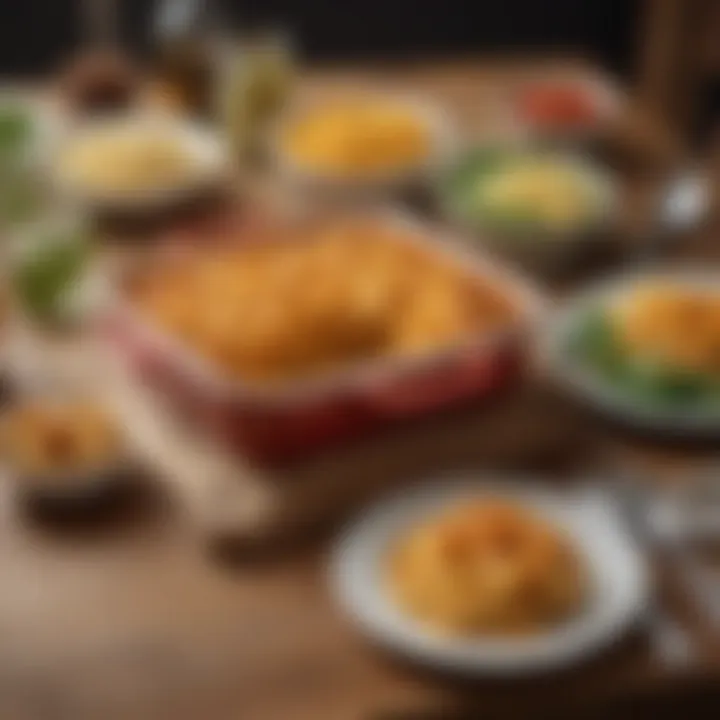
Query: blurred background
{"x": 236, "y": 631}
{"x": 35, "y": 35}
{"x": 667, "y": 48}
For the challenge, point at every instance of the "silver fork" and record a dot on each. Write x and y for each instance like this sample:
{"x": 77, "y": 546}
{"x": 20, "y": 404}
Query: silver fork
{"x": 670, "y": 641}
{"x": 681, "y": 520}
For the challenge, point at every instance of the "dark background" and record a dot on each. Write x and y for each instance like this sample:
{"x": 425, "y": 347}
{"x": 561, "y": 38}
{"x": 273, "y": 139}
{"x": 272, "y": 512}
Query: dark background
{"x": 36, "y": 34}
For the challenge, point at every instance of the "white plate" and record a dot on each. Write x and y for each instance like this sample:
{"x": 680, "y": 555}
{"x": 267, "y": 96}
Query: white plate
{"x": 606, "y": 96}
{"x": 588, "y": 385}
{"x": 619, "y": 583}
{"x": 207, "y": 151}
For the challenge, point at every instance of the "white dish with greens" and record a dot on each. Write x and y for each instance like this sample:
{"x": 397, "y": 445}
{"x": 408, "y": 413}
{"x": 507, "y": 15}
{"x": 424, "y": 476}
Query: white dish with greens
{"x": 645, "y": 349}
{"x": 48, "y": 263}
{"x": 531, "y": 200}
{"x": 27, "y": 132}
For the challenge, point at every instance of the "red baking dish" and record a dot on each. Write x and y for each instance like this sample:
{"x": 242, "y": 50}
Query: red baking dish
{"x": 300, "y": 418}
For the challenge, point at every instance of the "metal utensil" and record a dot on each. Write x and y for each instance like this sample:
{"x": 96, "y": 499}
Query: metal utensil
{"x": 686, "y": 202}
{"x": 671, "y": 642}
{"x": 176, "y": 17}
{"x": 677, "y": 522}
{"x": 683, "y": 204}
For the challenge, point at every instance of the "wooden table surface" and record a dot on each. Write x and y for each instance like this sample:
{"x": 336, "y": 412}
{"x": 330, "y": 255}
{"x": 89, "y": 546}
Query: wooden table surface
{"x": 133, "y": 618}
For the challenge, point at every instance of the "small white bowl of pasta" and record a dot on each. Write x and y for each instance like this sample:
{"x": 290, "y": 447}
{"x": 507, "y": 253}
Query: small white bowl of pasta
{"x": 138, "y": 162}
{"x": 362, "y": 141}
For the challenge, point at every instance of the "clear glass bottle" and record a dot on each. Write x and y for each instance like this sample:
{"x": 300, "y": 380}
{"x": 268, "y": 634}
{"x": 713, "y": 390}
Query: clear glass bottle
{"x": 185, "y": 62}
{"x": 254, "y": 86}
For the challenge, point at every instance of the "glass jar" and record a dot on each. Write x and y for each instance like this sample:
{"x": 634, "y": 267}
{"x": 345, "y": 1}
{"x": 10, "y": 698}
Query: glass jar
{"x": 256, "y": 80}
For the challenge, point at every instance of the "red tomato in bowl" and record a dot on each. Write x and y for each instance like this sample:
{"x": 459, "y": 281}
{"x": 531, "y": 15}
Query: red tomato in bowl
{"x": 558, "y": 106}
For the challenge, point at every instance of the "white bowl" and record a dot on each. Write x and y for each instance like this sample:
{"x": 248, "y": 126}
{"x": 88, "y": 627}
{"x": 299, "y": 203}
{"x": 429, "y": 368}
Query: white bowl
{"x": 536, "y": 247}
{"x": 62, "y": 488}
{"x": 587, "y": 385}
{"x": 606, "y": 97}
{"x": 619, "y": 584}
{"x": 211, "y": 166}
{"x": 306, "y": 177}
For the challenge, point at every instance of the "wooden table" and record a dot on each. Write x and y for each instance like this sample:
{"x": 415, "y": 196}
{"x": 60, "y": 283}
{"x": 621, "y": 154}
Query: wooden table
{"x": 133, "y": 618}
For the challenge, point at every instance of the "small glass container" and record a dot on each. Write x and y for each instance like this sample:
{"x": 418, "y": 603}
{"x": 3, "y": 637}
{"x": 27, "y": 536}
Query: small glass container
{"x": 255, "y": 84}
{"x": 184, "y": 77}
{"x": 99, "y": 81}
{"x": 184, "y": 74}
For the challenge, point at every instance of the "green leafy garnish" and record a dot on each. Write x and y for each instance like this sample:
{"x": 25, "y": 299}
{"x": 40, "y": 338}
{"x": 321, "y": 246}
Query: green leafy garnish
{"x": 595, "y": 343}
{"x": 44, "y": 279}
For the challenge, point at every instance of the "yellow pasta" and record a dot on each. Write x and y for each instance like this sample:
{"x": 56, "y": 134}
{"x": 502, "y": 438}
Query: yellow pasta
{"x": 486, "y": 567}
{"x": 127, "y": 160}
{"x": 60, "y": 438}
{"x": 673, "y": 325}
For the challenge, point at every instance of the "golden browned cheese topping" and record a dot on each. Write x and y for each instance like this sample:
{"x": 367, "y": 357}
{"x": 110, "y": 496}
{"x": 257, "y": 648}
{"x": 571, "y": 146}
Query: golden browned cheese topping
{"x": 673, "y": 325}
{"x": 48, "y": 439}
{"x": 488, "y": 567}
{"x": 340, "y": 295}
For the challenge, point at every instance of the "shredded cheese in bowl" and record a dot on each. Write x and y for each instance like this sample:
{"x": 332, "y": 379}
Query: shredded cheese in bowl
{"x": 122, "y": 161}
{"x": 358, "y": 138}
{"x": 137, "y": 160}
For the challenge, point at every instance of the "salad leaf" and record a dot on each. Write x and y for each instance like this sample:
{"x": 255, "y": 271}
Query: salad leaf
{"x": 461, "y": 181}
{"x": 671, "y": 386}
{"x": 43, "y": 279}
{"x": 595, "y": 340}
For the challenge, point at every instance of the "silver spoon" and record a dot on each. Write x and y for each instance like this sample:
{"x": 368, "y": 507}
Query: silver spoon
{"x": 683, "y": 205}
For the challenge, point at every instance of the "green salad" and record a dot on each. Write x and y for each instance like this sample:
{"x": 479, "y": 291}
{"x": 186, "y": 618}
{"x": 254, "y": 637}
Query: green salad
{"x": 524, "y": 191}
{"x": 47, "y": 276}
{"x": 21, "y": 192}
{"x": 595, "y": 343}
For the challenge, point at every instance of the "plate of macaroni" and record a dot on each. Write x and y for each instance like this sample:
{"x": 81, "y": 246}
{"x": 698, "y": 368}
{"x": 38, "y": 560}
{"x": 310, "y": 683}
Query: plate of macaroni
{"x": 643, "y": 349}
{"x": 491, "y": 578}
